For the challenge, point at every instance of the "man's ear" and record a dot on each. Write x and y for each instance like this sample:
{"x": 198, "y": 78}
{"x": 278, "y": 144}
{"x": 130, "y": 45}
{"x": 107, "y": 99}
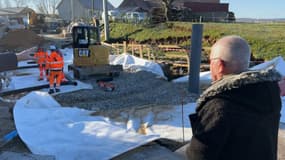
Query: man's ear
{"x": 221, "y": 66}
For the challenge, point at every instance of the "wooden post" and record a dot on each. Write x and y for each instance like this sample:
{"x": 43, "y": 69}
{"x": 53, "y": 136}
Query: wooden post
{"x": 148, "y": 53}
{"x": 188, "y": 63}
{"x": 118, "y": 49}
{"x": 141, "y": 51}
{"x": 112, "y": 47}
{"x": 133, "y": 50}
{"x": 125, "y": 47}
{"x": 154, "y": 55}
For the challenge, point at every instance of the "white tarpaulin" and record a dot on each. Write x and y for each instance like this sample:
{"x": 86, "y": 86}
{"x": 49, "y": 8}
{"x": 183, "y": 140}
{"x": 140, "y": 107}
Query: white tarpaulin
{"x": 278, "y": 63}
{"x": 135, "y": 64}
{"x": 205, "y": 78}
{"x": 70, "y": 133}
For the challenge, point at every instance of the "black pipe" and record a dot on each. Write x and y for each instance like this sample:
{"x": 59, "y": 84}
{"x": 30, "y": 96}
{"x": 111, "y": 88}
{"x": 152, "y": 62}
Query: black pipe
{"x": 68, "y": 77}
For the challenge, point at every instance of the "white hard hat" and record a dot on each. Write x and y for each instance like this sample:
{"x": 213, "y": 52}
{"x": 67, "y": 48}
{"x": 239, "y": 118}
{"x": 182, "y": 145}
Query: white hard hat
{"x": 52, "y": 47}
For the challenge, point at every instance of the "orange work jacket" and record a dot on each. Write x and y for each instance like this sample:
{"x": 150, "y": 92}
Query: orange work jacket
{"x": 41, "y": 57}
{"x": 56, "y": 62}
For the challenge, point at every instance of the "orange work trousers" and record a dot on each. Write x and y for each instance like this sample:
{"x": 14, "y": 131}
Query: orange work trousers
{"x": 55, "y": 75}
{"x": 42, "y": 68}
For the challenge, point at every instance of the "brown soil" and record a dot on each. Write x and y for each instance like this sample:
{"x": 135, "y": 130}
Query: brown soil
{"x": 19, "y": 40}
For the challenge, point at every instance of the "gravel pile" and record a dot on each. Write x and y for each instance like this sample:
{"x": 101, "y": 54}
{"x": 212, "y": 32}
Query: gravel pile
{"x": 132, "y": 90}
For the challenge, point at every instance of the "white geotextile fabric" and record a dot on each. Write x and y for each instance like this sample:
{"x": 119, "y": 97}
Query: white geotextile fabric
{"x": 135, "y": 64}
{"x": 205, "y": 78}
{"x": 70, "y": 133}
{"x": 277, "y": 62}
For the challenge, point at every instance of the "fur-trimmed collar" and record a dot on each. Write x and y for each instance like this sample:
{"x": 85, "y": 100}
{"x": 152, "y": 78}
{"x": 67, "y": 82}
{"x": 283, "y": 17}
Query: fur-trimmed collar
{"x": 235, "y": 81}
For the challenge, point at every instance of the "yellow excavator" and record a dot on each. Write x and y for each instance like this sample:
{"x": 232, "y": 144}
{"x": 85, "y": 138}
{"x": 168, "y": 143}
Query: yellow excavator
{"x": 90, "y": 57}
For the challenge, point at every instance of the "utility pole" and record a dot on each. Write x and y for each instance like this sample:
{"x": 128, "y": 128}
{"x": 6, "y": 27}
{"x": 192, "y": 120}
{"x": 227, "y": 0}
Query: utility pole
{"x": 106, "y": 20}
{"x": 72, "y": 10}
{"x": 93, "y": 9}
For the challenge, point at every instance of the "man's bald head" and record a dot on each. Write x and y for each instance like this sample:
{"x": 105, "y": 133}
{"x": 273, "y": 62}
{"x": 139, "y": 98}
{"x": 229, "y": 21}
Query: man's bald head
{"x": 234, "y": 51}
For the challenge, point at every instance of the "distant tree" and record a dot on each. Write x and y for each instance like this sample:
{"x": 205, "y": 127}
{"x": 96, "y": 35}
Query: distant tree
{"x": 47, "y": 6}
{"x": 167, "y": 4}
{"x": 21, "y": 3}
{"x": 6, "y": 3}
{"x": 231, "y": 17}
{"x": 13, "y": 3}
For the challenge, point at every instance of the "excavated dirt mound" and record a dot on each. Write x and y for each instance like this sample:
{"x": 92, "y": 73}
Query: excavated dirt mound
{"x": 19, "y": 40}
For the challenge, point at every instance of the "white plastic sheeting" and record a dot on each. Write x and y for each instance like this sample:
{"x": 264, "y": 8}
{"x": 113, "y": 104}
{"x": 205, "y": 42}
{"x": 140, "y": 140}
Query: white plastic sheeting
{"x": 71, "y": 133}
{"x": 136, "y": 64}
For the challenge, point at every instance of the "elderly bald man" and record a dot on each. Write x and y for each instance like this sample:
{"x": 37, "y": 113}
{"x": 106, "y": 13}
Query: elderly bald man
{"x": 237, "y": 118}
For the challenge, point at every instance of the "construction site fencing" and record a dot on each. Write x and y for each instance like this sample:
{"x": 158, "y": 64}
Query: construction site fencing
{"x": 151, "y": 52}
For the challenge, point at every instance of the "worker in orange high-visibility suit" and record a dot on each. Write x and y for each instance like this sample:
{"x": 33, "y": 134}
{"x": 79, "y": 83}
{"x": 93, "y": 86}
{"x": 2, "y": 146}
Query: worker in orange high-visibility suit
{"x": 56, "y": 64}
{"x": 47, "y": 68}
{"x": 63, "y": 79}
{"x": 41, "y": 56}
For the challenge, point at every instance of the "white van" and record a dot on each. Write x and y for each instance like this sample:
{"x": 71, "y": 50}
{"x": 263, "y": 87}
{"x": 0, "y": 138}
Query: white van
{"x": 113, "y": 15}
{"x": 135, "y": 16}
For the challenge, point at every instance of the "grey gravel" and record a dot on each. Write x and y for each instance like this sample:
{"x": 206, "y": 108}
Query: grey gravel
{"x": 132, "y": 90}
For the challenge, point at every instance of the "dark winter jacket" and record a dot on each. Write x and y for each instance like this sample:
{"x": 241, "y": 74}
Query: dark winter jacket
{"x": 237, "y": 118}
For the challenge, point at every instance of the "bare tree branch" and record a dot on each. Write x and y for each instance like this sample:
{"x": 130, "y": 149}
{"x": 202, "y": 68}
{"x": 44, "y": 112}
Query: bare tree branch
{"x": 47, "y": 6}
{"x": 21, "y": 3}
{"x": 7, "y": 4}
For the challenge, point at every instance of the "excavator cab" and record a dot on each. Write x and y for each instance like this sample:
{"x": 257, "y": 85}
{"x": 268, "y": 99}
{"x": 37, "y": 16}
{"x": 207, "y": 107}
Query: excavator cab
{"x": 90, "y": 57}
{"x": 83, "y": 36}
{"x": 87, "y": 48}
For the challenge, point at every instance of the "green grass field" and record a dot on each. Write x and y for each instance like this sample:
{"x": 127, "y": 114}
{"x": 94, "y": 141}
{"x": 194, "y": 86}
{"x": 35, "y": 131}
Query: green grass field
{"x": 267, "y": 40}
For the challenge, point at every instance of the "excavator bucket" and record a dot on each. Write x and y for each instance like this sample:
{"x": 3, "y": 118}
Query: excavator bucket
{"x": 8, "y": 61}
